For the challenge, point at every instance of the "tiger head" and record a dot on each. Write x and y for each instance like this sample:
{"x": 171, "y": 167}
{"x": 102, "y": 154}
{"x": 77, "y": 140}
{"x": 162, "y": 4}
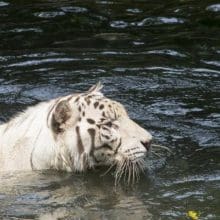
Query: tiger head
{"x": 93, "y": 130}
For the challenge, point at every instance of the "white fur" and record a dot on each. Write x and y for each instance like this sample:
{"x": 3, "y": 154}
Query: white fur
{"x": 28, "y": 141}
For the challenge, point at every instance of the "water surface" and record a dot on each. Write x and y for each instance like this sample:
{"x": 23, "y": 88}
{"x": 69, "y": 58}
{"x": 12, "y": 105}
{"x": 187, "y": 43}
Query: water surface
{"x": 160, "y": 59}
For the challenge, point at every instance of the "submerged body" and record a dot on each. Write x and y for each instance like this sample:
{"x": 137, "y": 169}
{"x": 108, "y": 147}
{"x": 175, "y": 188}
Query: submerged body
{"x": 73, "y": 133}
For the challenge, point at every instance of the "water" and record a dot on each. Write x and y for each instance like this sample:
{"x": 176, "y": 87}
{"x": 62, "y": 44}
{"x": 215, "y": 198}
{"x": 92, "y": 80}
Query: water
{"x": 161, "y": 59}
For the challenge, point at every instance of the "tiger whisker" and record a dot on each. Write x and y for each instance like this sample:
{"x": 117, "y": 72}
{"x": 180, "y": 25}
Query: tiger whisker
{"x": 108, "y": 170}
{"x": 125, "y": 170}
{"x": 134, "y": 173}
{"x": 162, "y": 147}
{"x": 129, "y": 170}
{"x": 138, "y": 171}
{"x": 122, "y": 170}
{"x": 129, "y": 173}
{"x": 117, "y": 174}
{"x": 156, "y": 154}
{"x": 141, "y": 166}
{"x": 119, "y": 171}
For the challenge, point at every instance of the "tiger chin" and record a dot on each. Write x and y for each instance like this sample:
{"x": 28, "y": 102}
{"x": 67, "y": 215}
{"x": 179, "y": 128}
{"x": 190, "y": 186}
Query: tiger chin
{"x": 75, "y": 133}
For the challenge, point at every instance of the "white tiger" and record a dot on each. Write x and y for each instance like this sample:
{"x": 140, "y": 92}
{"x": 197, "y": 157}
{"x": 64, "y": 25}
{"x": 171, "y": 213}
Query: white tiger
{"x": 74, "y": 133}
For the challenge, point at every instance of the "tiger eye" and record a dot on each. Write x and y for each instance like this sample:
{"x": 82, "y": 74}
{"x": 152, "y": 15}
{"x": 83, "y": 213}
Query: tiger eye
{"x": 109, "y": 124}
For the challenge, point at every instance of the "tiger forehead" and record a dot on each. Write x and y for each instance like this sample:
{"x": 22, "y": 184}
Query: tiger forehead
{"x": 101, "y": 104}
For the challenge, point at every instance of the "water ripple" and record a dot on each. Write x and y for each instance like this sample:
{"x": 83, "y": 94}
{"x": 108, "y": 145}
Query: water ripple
{"x": 119, "y": 24}
{"x": 147, "y": 22}
{"x": 215, "y": 63}
{"x": 213, "y": 121}
{"x": 162, "y": 61}
{"x": 213, "y": 8}
{"x": 42, "y": 54}
{"x": 20, "y": 30}
{"x": 158, "y": 21}
{"x": 188, "y": 179}
{"x": 3, "y": 4}
{"x": 42, "y": 61}
{"x": 206, "y": 71}
{"x": 138, "y": 43}
{"x": 134, "y": 10}
{"x": 156, "y": 52}
{"x": 72, "y": 9}
{"x": 49, "y": 14}
{"x": 167, "y": 52}
{"x": 159, "y": 68}
{"x": 169, "y": 108}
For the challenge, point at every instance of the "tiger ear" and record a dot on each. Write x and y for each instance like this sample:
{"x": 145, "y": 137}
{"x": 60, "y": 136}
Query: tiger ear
{"x": 60, "y": 116}
{"x": 96, "y": 88}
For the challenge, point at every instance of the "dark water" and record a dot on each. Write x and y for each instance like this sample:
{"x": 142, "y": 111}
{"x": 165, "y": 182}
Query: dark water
{"x": 161, "y": 59}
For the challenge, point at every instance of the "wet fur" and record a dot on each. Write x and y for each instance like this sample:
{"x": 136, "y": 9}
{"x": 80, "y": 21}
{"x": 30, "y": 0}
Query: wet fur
{"x": 74, "y": 133}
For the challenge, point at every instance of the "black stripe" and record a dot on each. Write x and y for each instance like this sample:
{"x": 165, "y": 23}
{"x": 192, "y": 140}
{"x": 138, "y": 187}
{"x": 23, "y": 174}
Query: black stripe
{"x": 92, "y": 135}
{"x": 105, "y": 128}
{"x": 85, "y": 161}
{"x": 138, "y": 152}
{"x": 31, "y": 161}
{"x": 79, "y": 141}
{"x": 105, "y": 136}
{"x": 119, "y": 144}
{"x": 77, "y": 99}
{"x": 105, "y": 146}
{"x": 50, "y": 110}
{"x": 128, "y": 150}
{"x": 87, "y": 100}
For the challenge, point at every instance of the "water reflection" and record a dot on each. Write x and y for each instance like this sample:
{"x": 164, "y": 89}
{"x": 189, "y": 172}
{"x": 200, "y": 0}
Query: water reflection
{"x": 67, "y": 195}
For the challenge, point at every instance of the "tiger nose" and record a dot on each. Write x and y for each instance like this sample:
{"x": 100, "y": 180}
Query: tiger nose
{"x": 146, "y": 144}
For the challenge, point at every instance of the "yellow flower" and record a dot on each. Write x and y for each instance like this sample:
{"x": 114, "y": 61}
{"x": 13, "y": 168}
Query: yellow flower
{"x": 193, "y": 215}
